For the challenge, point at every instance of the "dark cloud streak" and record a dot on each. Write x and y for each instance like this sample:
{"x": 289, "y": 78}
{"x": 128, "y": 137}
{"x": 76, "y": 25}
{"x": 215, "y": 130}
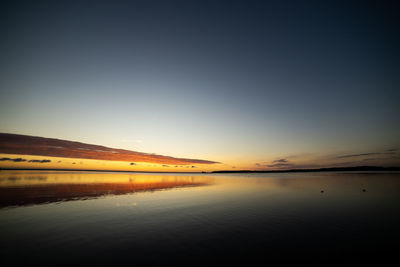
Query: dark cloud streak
{"x": 23, "y": 160}
{"x": 390, "y": 152}
{"x": 15, "y": 160}
{"x": 280, "y": 161}
{"x": 40, "y": 161}
{"x": 40, "y": 146}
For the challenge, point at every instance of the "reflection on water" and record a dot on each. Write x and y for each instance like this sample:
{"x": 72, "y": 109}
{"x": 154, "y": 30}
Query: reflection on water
{"x": 197, "y": 219}
{"x": 25, "y": 188}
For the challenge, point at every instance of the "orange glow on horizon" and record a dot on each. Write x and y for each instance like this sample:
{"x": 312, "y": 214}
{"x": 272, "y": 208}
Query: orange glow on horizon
{"x": 21, "y": 151}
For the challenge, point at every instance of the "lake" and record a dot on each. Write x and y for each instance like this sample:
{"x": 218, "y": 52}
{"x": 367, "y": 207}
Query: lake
{"x": 55, "y": 217}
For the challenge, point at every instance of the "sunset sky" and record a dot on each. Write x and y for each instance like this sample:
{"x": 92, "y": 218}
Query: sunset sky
{"x": 247, "y": 84}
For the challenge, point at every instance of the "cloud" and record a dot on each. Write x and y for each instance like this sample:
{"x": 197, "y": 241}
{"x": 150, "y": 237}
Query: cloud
{"x": 280, "y": 165}
{"x": 274, "y": 163}
{"x": 23, "y": 160}
{"x": 390, "y": 152}
{"x": 283, "y": 163}
{"x": 14, "y": 160}
{"x": 40, "y": 161}
{"x": 165, "y": 165}
{"x": 390, "y": 156}
{"x": 396, "y": 157}
{"x": 31, "y": 145}
{"x": 280, "y": 161}
{"x": 372, "y": 159}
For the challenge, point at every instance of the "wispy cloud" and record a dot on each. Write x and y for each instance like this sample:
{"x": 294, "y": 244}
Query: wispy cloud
{"x": 384, "y": 157}
{"x": 280, "y": 165}
{"x": 14, "y": 160}
{"x": 40, "y": 161}
{"x": 389, "y": 152}
{"x": 30, "y": 145}
{"x": 284, "y": 163}
{"x": 280, "y": 161}
{"x": 23, "y": 160}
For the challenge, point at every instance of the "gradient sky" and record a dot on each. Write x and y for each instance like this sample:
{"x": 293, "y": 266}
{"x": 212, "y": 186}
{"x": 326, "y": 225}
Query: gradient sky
{"x": 251, "y": 84}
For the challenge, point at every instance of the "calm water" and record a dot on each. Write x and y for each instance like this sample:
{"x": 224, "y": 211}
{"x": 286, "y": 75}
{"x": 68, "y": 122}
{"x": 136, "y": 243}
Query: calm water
{"x": 107, "y": 218}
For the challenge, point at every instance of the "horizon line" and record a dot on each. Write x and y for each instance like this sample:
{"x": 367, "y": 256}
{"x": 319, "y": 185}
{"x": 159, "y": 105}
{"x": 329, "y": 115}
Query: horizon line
{"x": 328, "y": 169}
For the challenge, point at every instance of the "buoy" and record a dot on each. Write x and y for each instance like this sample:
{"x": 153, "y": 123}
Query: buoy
{"x": 322, "y": 191}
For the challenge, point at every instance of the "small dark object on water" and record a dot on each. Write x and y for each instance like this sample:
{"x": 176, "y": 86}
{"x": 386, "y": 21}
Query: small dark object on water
{"x": 322, "y": 191}
{"x": 364, "y": 190}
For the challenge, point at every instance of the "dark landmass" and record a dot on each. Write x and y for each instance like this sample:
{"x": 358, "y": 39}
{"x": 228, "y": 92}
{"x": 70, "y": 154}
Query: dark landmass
{"x": 336, "y": 169}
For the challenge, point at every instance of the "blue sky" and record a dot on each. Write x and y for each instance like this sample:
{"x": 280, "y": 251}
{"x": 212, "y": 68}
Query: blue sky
{"x": 240, "y": 82}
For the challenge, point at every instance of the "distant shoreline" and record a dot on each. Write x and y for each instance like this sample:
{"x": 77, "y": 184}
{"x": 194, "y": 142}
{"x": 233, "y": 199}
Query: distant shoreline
{"x": 357, "y": 168}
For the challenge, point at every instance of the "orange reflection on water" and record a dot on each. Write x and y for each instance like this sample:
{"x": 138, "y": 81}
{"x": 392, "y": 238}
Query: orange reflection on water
{"x": 25, "y": 188}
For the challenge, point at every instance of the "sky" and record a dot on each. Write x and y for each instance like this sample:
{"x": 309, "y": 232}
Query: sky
{"x": 248, "y": 84}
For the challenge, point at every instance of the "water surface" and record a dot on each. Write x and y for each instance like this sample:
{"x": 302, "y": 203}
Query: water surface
{"x": 96, "y": 217}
